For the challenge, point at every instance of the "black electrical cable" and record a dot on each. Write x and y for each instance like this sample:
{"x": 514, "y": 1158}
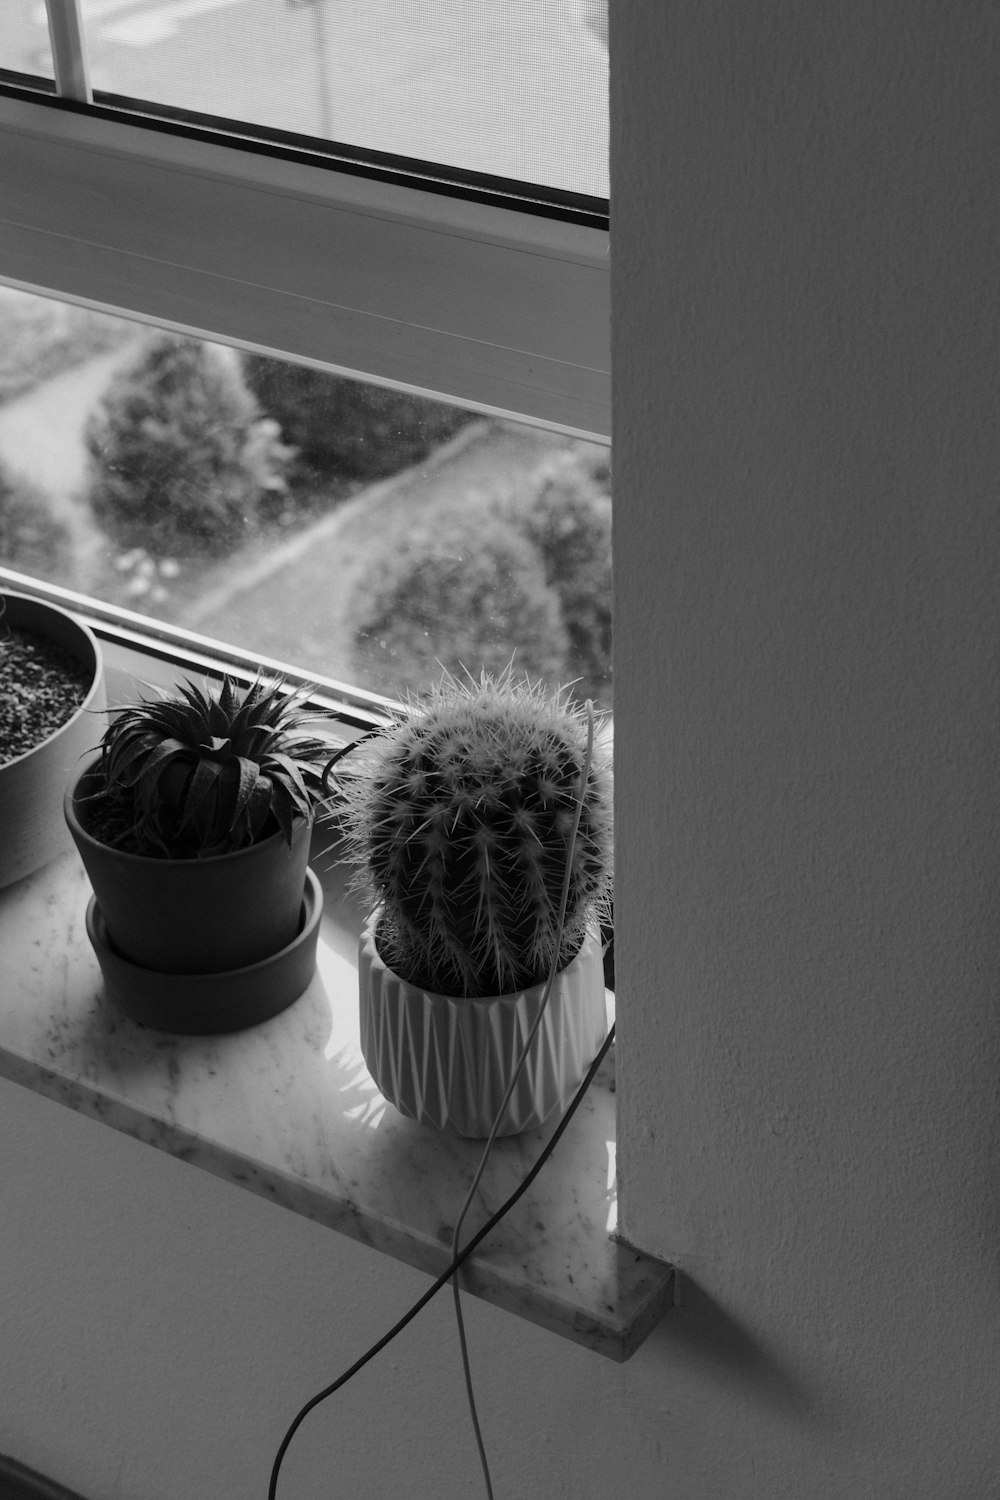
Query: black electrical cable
{"x": 456, "y": 1262}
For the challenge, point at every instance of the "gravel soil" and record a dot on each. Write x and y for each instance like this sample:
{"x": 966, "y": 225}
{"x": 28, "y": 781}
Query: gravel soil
{"x": 41, "y": 687}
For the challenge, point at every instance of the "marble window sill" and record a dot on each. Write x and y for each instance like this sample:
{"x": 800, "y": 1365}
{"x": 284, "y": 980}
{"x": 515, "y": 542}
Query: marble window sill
{"x": 289, "y": 1111}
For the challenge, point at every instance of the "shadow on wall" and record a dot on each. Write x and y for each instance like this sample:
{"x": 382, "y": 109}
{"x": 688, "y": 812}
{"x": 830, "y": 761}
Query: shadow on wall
{"x": 20, "y": 1483}
{"x": 706, "y": 1341}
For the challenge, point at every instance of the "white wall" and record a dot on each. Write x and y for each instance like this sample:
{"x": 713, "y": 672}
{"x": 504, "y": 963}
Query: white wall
{"x": 805, "y": 460}
{"x": 806, "y": 465}
{"x": 159, "y": 1329}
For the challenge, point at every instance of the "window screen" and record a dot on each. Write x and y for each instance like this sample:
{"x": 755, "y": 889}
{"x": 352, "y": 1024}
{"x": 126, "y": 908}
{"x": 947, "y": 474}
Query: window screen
{"x": 512, "y": 89}
{"x": 24, "y": 39}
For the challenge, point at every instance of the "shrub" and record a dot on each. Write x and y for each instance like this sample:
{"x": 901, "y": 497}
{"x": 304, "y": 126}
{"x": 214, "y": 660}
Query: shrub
{"x": 567, "y": 518}
{"x": 346, "y": 429}
{"x": 31, "y": 538}
{"x": 180, "y": 458}
{"x": 460, "y": 590}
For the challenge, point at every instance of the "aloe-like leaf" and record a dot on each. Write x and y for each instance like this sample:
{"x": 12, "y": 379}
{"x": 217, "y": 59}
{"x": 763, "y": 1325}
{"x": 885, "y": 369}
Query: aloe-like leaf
{"x": 259, "y": 807}
{"x": 195, "y": 698}
{"x": 262, "y": 695}
{"x": 204, "y": 779}
{"x": 228, "y": 700}
{"x": 247, "y": 774}
{"x": 166, "y": 753}
{"x": 282, "y": 810}
{"x": 243, "y": 712}
{"x": 216, "y": 722}
{"x": 127, "y": 755}
{"x": 291, "y": 769}
{"x": 297, "y": 790}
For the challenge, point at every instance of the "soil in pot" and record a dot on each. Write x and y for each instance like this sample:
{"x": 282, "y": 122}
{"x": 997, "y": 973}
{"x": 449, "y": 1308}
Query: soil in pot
{"x": 41, "y": 688}
{"x": 51, "y": 695}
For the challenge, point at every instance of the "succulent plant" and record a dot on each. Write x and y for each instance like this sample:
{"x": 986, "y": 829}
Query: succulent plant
{"x": 459, "y": 819}
{"x": 207, "y": 770}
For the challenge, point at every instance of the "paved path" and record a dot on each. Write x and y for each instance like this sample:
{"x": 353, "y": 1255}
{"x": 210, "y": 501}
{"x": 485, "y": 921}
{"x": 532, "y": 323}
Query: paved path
{"x": 41, "y": 432}
{"x": 41, "y": 436}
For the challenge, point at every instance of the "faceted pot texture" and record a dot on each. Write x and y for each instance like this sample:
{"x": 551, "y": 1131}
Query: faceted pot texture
{"x": 447, "y": 1062}
{"x": 32, "y": 785}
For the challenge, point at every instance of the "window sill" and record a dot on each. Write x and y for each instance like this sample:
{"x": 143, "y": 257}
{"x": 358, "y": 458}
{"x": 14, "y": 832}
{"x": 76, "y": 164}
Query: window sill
{"x": 289, "y": 1111}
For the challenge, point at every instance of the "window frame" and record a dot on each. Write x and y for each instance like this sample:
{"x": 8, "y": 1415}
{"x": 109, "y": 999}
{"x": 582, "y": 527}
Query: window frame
{"x": 502, "y": 310}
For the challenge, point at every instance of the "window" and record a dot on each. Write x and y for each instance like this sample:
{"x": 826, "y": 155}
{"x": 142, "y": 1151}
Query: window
{"x": 475, "y": 302}
{"x": 516, "y": 91}
{"x": 362, "y": 533}
{"x": 24, "y": 43}
{"x": 502, "y": 309}
{"x": 475, "y": 297}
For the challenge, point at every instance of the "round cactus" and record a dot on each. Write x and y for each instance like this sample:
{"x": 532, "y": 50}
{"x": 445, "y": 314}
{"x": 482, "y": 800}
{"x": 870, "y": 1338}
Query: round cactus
{"x": 460, "y": 820}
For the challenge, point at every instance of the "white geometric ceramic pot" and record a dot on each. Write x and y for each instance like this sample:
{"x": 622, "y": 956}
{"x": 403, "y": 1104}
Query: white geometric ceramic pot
{"x": 447, "y": 1062}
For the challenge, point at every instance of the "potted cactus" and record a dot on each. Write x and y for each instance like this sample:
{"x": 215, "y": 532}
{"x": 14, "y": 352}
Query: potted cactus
{"x": 459, "y": 822}
{"x": 193, "y": 823}
{"x": 51, "y": 679}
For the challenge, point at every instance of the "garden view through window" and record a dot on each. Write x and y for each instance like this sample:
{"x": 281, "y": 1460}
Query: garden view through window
{"x": 361, "y": 533}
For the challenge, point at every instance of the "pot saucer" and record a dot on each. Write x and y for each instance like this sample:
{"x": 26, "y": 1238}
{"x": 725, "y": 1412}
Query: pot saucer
{"x": 211, "y": 1004}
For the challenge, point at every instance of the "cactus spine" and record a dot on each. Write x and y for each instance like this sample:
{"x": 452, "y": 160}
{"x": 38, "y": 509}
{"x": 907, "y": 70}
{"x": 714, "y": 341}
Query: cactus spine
{"x": 460, "y": 824}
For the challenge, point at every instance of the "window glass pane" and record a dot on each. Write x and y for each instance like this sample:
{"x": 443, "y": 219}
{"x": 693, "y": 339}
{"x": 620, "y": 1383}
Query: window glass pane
{"x": 353, "y": 531}
{"x": 512, "y": 88}
{"x": 24, "y": 38}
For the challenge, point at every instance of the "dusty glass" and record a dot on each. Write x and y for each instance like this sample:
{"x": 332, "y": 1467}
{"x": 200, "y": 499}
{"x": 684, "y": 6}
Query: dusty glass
{"x": 365, "y": 534}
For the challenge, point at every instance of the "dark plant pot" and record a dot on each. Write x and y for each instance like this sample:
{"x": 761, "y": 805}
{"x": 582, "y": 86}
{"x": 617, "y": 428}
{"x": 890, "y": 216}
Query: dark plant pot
{"x": 211, "y": 1004}
{"x": 31, "y": 787}
{"x": 194, "y": 916}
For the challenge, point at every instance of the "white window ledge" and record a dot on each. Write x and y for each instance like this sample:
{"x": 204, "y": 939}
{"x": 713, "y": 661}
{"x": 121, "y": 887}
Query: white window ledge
{"x": 289, "y": 1111}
